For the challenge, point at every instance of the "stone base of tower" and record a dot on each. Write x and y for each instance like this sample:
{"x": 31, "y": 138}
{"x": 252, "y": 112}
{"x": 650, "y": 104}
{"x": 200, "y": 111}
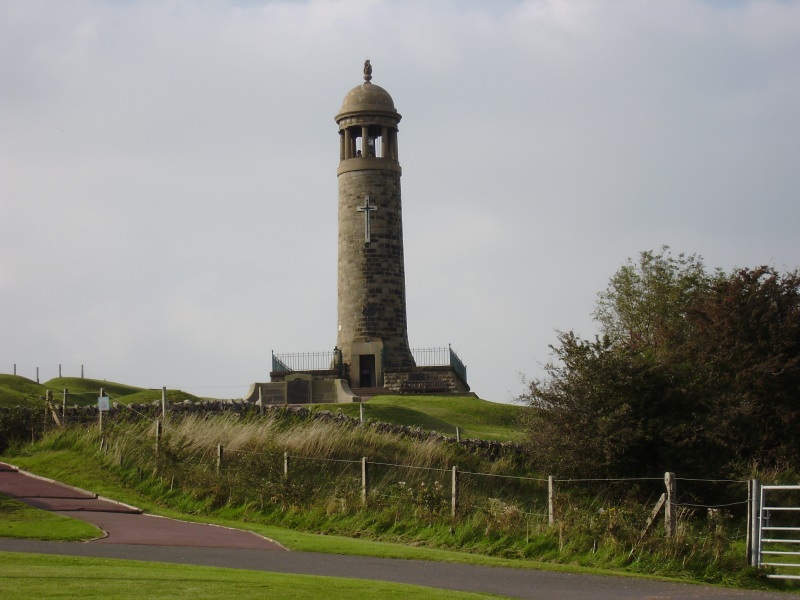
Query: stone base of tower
{"x": 424, "y": 380}
{"x": 311, "y": 387}
{"x": 323, "y": 387}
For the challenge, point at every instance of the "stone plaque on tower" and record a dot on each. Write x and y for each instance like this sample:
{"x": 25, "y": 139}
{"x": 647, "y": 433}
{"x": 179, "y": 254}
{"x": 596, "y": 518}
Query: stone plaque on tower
{"x": 372, "y": 329}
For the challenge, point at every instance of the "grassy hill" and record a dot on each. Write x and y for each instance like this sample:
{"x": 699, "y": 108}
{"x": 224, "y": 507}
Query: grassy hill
{"x": 86, "y": 391}
{"x": 16, "y": 390}
{"x": 474, "y": 417}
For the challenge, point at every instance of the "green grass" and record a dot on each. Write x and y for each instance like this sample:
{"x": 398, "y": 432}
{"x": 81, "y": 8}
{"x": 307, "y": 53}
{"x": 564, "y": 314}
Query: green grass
{"x": 73, "y": 468}
{"x": 20, "y": 521}
{"x": 16, "y": 390}
{"x": 476, "y": 418}
{"x": 84, "y": 392}
{"x": 40, "y": 576}
{"x": 378, "y": 532}
{"x": 149, "y": 396}
{"x": 398, "y": 415}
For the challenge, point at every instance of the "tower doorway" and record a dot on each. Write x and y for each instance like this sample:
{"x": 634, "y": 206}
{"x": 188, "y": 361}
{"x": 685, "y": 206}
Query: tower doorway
{"x": 366, "y": 368}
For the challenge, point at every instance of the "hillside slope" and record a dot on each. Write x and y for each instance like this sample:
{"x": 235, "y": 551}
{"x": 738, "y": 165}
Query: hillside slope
{"x": 474, "y": 417}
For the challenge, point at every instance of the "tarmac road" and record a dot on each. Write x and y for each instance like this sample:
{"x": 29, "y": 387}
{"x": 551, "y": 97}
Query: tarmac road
{"x": 160, "y": 540}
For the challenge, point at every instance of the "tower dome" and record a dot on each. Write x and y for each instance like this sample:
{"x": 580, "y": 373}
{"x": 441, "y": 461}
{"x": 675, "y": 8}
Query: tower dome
{"x": 367, "y": 98}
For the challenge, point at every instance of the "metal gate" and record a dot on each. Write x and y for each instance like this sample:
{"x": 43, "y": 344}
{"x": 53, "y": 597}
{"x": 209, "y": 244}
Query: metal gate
{"x": 775, "y": 529}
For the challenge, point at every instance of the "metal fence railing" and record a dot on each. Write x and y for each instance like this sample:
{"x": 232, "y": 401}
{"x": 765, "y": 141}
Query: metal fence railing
{"x": 306, "y": 361}
{"x": 431, "y": 357}
{"x": 327, "y": 360}
{"x": 440, "y": 357}
{"x": 458, "y": 366}
{"x": 775, "y": 526}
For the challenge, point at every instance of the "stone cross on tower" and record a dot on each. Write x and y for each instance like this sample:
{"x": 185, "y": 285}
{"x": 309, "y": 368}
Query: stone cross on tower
{"x": 366, "y": 209}
{"x": 372, "y": 333}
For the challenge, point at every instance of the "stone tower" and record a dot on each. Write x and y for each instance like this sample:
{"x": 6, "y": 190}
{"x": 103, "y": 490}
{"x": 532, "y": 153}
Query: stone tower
{"x": 373, "y": 334}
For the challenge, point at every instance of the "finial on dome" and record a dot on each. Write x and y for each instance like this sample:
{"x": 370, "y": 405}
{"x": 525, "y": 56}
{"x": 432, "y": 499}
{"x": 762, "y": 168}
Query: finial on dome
{"x": 367, "y": 71}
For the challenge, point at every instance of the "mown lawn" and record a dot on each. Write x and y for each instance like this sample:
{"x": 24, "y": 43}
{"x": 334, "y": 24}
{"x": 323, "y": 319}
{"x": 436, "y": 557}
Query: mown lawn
{"x": 27, "y": 576}
{"x": 20, "y": 521}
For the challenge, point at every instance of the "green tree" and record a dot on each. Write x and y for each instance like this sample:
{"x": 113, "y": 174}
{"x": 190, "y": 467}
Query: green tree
{"x": 746, "y": 349}
{"x": 646, "y": 303}
{"x": 611, "y": 411}
{"x": 695, "y": 373}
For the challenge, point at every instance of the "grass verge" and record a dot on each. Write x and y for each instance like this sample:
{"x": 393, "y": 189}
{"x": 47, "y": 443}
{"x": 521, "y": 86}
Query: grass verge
{"x": 20, "y": 521}
{"x": 41, "y": 576}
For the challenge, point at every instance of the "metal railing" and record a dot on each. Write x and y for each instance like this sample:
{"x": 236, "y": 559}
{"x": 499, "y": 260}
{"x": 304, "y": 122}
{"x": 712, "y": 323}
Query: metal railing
{"x": 307, "y": 361}
{"x": 776, "y": 528}
{"x": 440, "y": 357}
{"x": 459, "y": 367}
{"x": 332, "y": 360}
{"x": 431, "y": 357}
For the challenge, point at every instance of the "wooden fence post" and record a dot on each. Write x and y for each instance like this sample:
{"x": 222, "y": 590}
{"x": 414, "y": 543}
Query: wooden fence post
{"x": 158, "y": 435}
{"x": 100, "y": 412}
{"x": 260, "y": 400}
{"x": 219, "y": 458}
{"x": 48, "y": 395}
{"x": 64, "y": 407}
{"x": 670, "y": 512}
{"x": 454, "y": 494}
{"x": 458, "y": 434}
{"x": 164, "y": 403}
{"x": 361, "y": 412}
{"x": 286, "y": 466}
{"x": 364, "y": 481}
{"x": 551, "y": 500}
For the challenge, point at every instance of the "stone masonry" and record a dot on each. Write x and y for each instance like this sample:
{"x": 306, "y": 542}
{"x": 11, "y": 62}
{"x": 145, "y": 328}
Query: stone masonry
{"x": 372, "y": 331}
{"x": 372, "y": 328}
{"x": 372, "y": 302}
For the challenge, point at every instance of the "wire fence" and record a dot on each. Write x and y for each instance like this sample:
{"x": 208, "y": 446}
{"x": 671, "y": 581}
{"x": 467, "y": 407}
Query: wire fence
{"x": 444, "y": 490}
{"x": 501, "y": 503}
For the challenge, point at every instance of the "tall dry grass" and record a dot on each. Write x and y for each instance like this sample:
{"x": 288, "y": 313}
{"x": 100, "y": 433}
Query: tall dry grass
{"x": 197, "y": 436}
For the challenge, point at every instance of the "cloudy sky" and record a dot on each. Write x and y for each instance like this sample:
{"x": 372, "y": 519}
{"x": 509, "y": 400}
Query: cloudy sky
{"x": 168, "y": 171}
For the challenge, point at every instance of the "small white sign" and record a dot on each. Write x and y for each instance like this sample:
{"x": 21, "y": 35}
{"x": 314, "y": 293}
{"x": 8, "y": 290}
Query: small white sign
{"x": 102, "y": 403}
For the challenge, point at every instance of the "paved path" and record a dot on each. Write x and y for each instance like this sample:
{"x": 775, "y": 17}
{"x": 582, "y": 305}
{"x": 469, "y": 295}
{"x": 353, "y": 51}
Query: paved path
{"x": 164, "y": 543}
{"x": 122, "y": 523}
